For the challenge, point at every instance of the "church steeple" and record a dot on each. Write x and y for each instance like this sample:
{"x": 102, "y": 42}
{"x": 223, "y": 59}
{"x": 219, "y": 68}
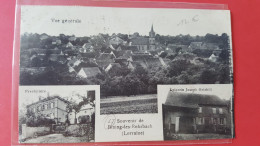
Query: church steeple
{"x": 152, "y": 28}
{"x": 152, "y": 33}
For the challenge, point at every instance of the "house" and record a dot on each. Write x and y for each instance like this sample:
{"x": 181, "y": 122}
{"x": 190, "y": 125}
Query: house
{"x": 132, "y": 48}
{"x": 174, "y": 48}
{"x": 126, "y": 54}
{"x": 111, "y": 66}
{"x": 210, "y": 46}
{"x": 195, "y": 45}
{"x": 52, "y": 107}
{"x": 106, "y": 56}
{"x": 87, "y": 72}
{"x": 122, "y": 61}
{"x": 195, "y": 113}
{"x": 130, "y": 66}
{"x": 69, "y": 52}
{"x": 119, "y": 48}
{"x": 86, "y": 56}
{"x": 74, "y": 62}
{"x": 198, "y": 61}
{"x": 84, "y": 114}
{"x": 155, "y": 61}
{"x": 69, "y": 45}
{"x": 116, "y": 41}
{"x": 87, "y": 47}
{"x": 213, "y": 58}
{"x": 217, "y": 52}
{"x": 104, "y": 59}
{"x": 58, "y": 58}
{"x": 144, "y": 44}
{"x": 72, "y": 38}
{"x": 44, "y": 36}
{"x": 56, "y": 42}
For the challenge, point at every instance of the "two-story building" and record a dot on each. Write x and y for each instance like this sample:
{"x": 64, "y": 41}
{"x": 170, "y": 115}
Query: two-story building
{"x": 195, "y": 113}
{"x": 56, "y": 108}
{"x": 52, "y": 107}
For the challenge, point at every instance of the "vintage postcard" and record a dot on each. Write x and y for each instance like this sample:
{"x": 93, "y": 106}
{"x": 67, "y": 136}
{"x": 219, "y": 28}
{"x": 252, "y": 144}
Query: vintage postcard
{"x": 127, "y": 53}
{"x": 57, "y": 114}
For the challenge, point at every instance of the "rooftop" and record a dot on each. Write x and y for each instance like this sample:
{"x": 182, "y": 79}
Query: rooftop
{"x": 193, "y": 100}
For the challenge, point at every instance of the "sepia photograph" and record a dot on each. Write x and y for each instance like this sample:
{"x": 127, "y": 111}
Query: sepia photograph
{"x": 56, "y": 114}
{"x": 128, "y": 52}
{"x": 193, "y": 112}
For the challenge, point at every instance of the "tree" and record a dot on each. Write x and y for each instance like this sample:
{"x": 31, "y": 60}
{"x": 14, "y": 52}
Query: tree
{"x": 177, "y": 66}
{"x": 224, "y": 56}
{"x": 224, "y": 41}
{"x": 208, "y": 76}
{"x": 140, "y": 70}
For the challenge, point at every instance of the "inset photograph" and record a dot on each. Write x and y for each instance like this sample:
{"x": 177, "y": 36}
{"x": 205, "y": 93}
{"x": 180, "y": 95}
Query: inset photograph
{"x": 56, "y": 114}
{"x": 135, "y": 104}
{"x": 197, "y": 112}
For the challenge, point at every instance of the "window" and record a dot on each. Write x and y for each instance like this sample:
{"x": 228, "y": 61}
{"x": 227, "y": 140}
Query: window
{"x": 52, "y": 105}
{"x": 220, "y": 111}
{"x": 222, "y": 121}
{"x": 200, "y": 109}
{"x": 200, "y": 121}
{"x": 45, "y": 106}
{"x": 214, "y": 110}
{"x": 34, "y": 109}
{"x": 215, "y": 121}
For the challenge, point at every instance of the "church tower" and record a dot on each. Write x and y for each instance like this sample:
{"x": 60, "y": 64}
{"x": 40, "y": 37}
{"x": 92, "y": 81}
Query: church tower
{"x": 152, "y": 39}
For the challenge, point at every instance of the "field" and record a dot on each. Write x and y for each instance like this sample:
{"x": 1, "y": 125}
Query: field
{"x": 129, "y": 105}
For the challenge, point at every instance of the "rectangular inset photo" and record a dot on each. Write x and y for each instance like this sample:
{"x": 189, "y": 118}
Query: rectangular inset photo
{"x": 138, "y": 104}
{"x": 57, "y": 114}
{"x": 192, "y": 112}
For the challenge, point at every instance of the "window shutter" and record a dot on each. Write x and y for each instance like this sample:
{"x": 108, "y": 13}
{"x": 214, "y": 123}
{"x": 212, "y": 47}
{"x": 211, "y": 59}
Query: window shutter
{"x": 218, "y": 120}
{"x": 225, "y": 121}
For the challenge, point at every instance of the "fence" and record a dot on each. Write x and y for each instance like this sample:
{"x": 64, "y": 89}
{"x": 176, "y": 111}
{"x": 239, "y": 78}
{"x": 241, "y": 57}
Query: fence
{"x": 28, "y": 132}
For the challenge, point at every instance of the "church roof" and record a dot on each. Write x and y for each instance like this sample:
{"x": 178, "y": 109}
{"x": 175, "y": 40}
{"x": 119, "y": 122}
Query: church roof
{"x": 140, "y": 41}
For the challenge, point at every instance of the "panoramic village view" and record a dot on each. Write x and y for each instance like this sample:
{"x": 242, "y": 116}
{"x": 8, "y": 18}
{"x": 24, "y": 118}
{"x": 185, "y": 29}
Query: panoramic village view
{"x": 128, "y": 67}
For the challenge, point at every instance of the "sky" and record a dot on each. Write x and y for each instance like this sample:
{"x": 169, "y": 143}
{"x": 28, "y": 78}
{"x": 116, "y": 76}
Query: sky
{"x": 95, "y": 20}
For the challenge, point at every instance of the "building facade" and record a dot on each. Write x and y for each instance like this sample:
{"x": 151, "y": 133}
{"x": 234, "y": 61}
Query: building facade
{"x": 194, "y": 113}
{"x": 52, "y": 107}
